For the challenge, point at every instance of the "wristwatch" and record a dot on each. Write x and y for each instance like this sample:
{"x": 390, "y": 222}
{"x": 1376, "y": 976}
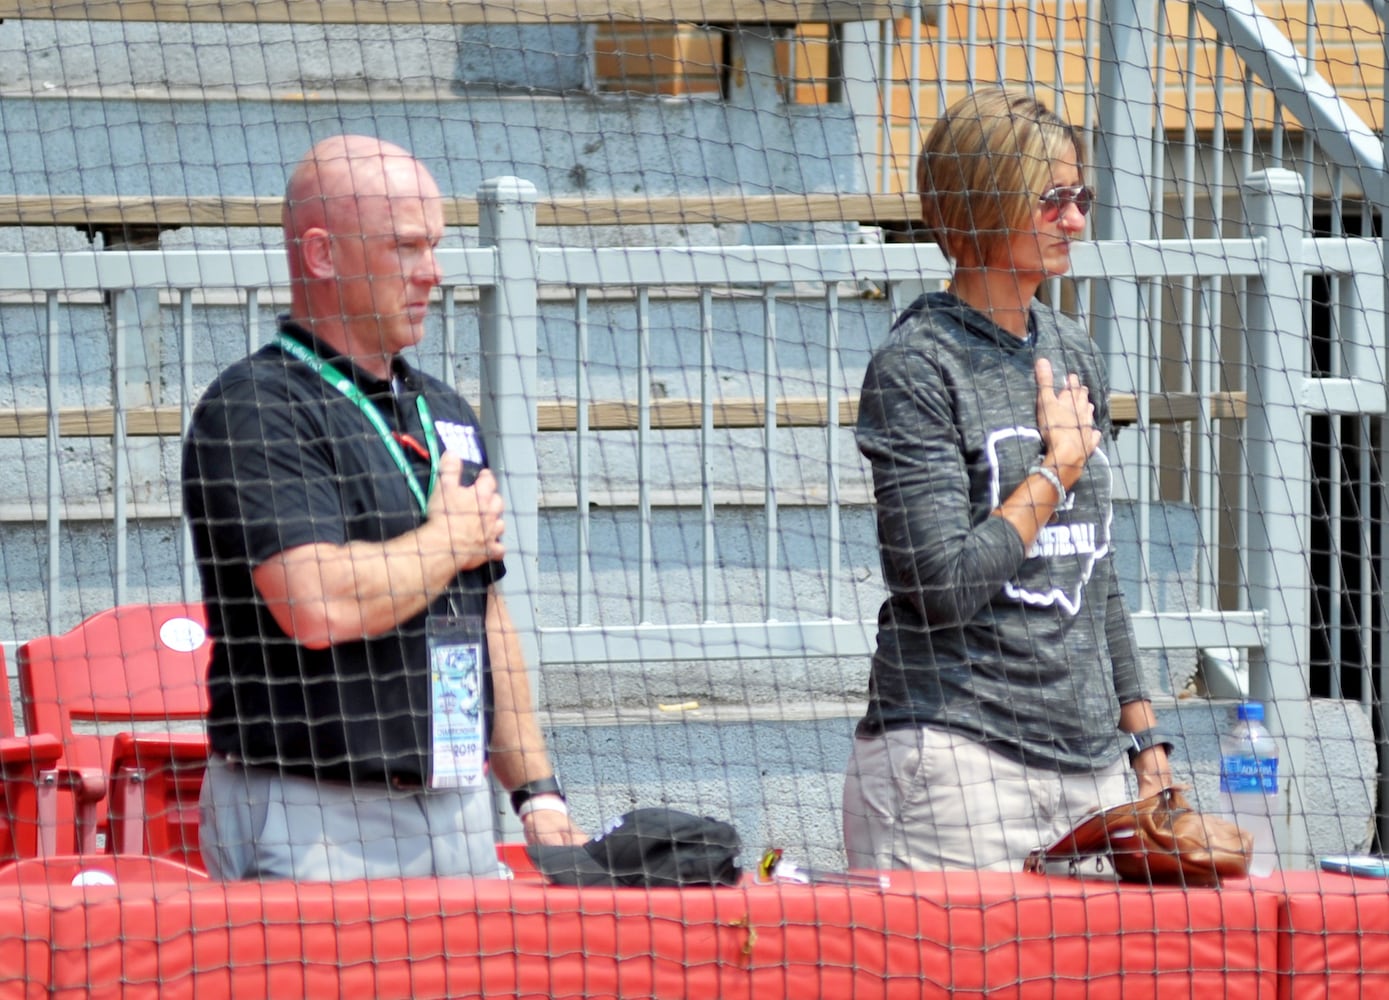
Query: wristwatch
{"x": 1146, "y": 739}
{"x": 528, "y": 791}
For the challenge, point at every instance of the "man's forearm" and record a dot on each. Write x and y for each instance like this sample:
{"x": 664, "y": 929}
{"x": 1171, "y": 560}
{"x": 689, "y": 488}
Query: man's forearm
{"x": 518, "y": 752}
{"x": 321, "y": 594}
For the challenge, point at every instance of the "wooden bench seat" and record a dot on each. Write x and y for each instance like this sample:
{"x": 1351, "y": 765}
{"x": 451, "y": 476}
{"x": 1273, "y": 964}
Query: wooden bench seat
{"x": 451, "y": 11}
{"x": 143, "y": 213}
{"x": 610, "y": 415}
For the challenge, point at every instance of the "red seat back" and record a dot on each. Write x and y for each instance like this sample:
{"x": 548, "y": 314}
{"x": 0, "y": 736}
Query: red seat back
{"x": 137, "y": 668}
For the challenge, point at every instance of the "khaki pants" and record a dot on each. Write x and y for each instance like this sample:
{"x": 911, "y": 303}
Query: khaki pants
{"x": 258, "y": 823}
{"x": 929, "y": 799}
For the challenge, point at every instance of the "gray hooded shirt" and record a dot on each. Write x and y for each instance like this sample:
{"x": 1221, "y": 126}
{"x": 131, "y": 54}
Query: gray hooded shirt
{"x": 1028, "y": 651}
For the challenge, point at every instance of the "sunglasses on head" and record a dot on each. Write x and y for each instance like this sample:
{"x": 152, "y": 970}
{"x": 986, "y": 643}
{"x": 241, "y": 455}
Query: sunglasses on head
{"x": 1055, "y": 200}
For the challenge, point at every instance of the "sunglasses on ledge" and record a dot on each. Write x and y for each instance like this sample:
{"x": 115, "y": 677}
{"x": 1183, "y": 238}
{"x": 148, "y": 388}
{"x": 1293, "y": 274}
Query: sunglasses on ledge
{"x": 1055, "y": 200}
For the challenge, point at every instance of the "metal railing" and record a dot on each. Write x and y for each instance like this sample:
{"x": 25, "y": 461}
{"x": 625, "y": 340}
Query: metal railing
{"x": 797, "y": 438}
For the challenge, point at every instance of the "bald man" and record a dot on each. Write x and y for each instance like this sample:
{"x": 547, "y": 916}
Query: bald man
{"x": 366, "y": 674}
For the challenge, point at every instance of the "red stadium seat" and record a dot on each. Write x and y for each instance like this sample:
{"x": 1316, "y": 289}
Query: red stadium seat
{"x": 111, "y": 690}
{"x": 30, "y": 780}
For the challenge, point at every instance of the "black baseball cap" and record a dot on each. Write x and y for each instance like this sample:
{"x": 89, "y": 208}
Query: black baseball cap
{"x": 653, "y": 846}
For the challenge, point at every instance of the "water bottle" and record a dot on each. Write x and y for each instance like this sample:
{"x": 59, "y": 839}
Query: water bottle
{"x": 1249, "y": 782}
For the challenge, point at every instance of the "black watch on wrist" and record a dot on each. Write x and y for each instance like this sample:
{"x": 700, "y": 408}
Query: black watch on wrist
{"x": 540, "y": 786}
{"x": 1146, "y": 739}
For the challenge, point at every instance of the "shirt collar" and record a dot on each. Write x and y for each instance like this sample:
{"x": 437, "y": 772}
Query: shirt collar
{"x": 363, "y": 379}
{"x": 978, "y": 323}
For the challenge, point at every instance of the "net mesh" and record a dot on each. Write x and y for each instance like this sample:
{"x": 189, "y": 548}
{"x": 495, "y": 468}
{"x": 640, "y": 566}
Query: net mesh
{"x": 674, "y": 241}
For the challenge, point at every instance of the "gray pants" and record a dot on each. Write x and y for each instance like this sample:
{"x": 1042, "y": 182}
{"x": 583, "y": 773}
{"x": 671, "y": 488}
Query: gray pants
{"x": 259, "y": 824}
{"x": 930, "y": 799}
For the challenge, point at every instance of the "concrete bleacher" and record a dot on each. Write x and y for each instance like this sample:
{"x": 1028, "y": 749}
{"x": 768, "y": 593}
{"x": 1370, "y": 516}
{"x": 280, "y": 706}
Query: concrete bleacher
{"x": 154, "y": 116}
{"x": 395, "y": 12}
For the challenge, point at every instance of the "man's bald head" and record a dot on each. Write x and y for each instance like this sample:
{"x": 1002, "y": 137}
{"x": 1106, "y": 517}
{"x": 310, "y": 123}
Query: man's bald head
{"x": 361, "y": 219}
{"x": 337, "y": 175}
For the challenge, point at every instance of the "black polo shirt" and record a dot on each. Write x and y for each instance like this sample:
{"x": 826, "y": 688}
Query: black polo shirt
{"x": 276, "y": 458}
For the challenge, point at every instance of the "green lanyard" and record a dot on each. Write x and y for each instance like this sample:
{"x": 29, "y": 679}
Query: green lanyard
{"x": 369, "y": 410}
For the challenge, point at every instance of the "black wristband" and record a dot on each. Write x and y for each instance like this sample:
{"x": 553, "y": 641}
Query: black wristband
{"x": 540, "y": 786}
{"x": 1146, "y": 739}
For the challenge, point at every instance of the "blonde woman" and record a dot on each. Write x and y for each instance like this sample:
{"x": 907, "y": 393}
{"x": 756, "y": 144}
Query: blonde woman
{"x": 1004, "y": 691}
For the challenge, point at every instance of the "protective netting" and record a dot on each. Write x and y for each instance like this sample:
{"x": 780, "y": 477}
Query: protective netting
{"x": 754, "y": 535}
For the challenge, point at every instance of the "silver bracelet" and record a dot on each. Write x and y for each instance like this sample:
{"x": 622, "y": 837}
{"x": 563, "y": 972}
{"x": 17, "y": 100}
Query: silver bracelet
{"x": 1051, "y": 477}
{"x": 547, "y": 801}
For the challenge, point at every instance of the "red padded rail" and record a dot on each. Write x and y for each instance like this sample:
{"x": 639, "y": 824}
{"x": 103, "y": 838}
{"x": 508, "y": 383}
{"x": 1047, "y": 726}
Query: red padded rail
{"x": 928, "y": 936}
{"x": 1335, "y": 940}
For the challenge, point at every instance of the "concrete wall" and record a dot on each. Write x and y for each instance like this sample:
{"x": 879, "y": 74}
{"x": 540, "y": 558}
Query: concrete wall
{"x": 777, "y": 774}
{"x": 292, "y": 58}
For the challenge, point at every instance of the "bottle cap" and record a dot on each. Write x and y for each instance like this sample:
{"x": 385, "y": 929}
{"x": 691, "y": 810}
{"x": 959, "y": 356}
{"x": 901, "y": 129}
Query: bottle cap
{"x": 1251, "y": 711}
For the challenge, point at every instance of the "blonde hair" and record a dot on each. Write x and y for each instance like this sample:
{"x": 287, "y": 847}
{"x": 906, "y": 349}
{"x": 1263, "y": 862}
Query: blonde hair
{"x": 983, "y": 165}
